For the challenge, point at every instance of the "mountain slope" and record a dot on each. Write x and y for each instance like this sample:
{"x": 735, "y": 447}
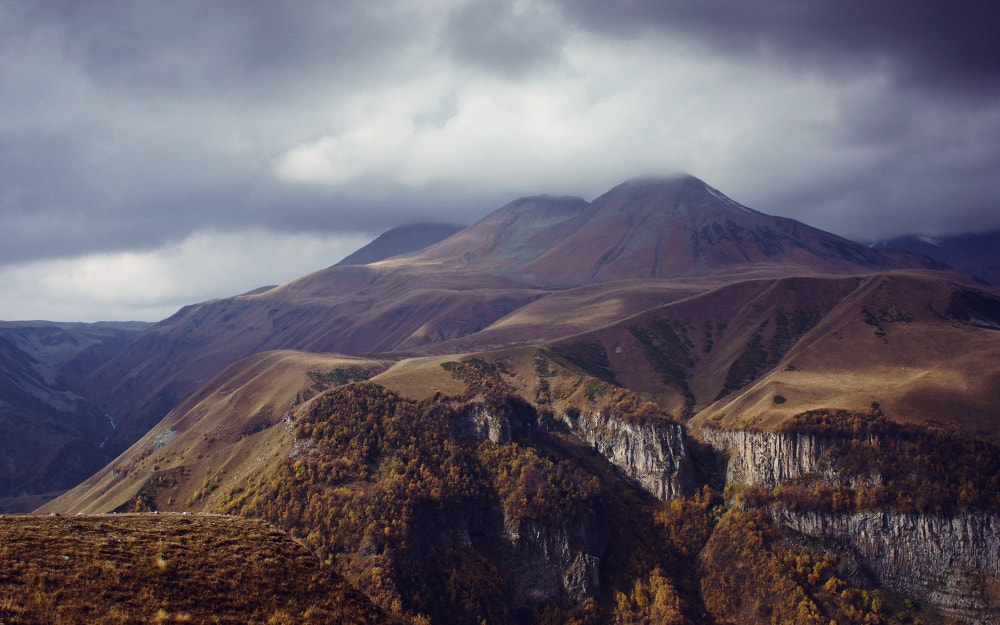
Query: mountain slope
{"x": 400, "y": 240}
{"x": 977, "y": 254}
{"x": 657, "y": 227}
{"x": 533, "y": 248}
{"x": 659, "y": 406}
{"x": 51, "y": 434}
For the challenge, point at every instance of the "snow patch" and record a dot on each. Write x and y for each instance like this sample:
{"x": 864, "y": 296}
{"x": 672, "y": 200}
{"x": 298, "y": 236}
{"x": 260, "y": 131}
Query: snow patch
{"x": 718, "y": 194}
{"x": 929, "y": 240}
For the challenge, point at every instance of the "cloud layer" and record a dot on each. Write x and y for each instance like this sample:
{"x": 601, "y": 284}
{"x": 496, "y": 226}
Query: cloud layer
{"x": 129, "y": 131}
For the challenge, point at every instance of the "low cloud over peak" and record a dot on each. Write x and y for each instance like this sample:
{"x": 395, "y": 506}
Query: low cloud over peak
{"x": 127, "y": 128}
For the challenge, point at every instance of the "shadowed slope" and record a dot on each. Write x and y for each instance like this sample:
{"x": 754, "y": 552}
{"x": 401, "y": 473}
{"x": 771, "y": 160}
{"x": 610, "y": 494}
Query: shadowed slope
{"x": 401, "y": 240}
{"x": 51, "y": 434}
{"x": 977, "y": 254}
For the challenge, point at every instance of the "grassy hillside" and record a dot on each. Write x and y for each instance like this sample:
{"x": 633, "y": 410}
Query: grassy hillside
{"x": 166, "y": 569}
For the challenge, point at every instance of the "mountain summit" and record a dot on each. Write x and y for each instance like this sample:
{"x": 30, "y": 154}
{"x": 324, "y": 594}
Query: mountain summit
{"x": 645, "y": 228}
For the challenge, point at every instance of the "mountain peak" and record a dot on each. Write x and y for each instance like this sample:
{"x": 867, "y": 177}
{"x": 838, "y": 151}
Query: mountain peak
{"x": 400, "y": 240}
{"x": 676, "y": 226}
{"x": 648, "y": 227}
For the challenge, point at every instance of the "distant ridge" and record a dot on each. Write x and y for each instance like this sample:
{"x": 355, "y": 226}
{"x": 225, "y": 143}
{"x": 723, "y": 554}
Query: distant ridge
{"x": 401, "y": 240}
{"x": 977, "y": 254}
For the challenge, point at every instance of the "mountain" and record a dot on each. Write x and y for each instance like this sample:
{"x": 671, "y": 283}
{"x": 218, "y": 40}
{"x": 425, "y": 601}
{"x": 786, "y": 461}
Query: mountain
{"x": 51, "y": 434}
{"x": 400, "y": 240}
{"x": 977, "y": 254}
{"x": 657, "y": 228}
{"x": 531, "y": 249}
{"x": 659, "y": 406}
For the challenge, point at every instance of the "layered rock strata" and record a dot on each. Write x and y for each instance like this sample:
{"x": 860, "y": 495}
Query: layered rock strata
{"x": 654, "y": 455}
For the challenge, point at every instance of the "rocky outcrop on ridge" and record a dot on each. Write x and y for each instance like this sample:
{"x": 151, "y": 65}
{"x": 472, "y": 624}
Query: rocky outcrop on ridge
{"x": 653, "y": 455}
{"x": 766, "y": 459}
{"x": 952, "y": 562}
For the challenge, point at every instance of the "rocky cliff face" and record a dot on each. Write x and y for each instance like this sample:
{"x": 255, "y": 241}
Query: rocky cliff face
{"x": 952, "y": 562}
{"x": 766, "y": 459}
{"x": 551, "y": 562}
{"x": 654, "y": 455}
{"x": 557, "y": 560}
{"x": 498, "y": 422}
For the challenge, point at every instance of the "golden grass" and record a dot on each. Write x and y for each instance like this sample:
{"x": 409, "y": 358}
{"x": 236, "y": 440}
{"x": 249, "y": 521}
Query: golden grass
{"x": 166, "y": 569}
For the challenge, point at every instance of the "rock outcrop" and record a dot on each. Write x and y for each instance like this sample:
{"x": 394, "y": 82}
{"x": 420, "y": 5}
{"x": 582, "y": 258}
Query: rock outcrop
{"x": 500, "y": 422}
{"x": 653, "y": 455}
{"x": 952, "y": 562}
{"x": 766, "y": 459}
{"x": 556, "y": 561}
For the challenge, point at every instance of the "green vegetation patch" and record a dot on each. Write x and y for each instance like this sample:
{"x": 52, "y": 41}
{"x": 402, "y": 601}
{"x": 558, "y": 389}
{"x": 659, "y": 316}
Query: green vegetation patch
{"x": 479, "y": 375}
{"x": 379, "y": 490}
{"x": 755, "y": 572}
{"x": 669, "y": 351}
{"x": 341, "y": 376}
{"x": 588, "y": 356}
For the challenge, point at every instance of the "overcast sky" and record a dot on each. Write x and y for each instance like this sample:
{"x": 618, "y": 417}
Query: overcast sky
{"x": 156, "y": 154}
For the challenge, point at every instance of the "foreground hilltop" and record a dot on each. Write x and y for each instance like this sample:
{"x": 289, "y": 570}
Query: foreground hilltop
{"x": 167, "y": 568}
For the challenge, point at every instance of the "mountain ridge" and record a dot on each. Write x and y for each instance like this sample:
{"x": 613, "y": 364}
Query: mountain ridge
{"x": 648, "y": 227}
{"x": 400, "y": 240}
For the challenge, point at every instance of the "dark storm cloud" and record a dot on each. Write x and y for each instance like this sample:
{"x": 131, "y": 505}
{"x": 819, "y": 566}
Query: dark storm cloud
{"x": 935, "y": 43}
{"x": 931, "y": 125}
{"x": 504, "y": 37}
{"x": 118, "y": 117}
{"x": 147, "y": 128}
{"x": 186, "y": 48}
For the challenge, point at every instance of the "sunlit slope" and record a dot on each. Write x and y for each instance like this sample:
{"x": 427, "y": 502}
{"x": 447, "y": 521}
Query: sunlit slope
{"x": 926, "y": 350}
{"x": 226, "y": 430}
{"x": 539, "y": 269}
{"x": 924, "y": 345}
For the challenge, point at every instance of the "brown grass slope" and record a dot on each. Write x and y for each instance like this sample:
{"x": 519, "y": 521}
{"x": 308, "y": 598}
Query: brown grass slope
{"x": 922, "y": 344}
{"x": 413, "y": 511}
{"x": 166, "y": 569}
{"x": 925, "y": 348}
{"x": 352, "y": 310}
{"x": 230, "y": 428}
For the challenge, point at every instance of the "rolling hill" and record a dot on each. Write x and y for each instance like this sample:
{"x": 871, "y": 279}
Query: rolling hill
{"x": 532, "y": 249}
